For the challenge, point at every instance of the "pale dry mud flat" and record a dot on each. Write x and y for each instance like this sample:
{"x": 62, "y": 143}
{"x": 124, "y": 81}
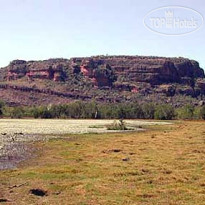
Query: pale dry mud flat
{"x": 15, "y": 133}
{"x": 14, "y": 148}
{"x": 56, "y": 127}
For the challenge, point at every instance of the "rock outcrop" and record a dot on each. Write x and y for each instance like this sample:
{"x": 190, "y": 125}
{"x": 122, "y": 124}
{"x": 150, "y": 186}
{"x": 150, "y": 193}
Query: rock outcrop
{"x": 154, "y": 70}
{"x": 121, "y": 76}
{"x": 131, "y": 73}
{"x": 52, "y": 69}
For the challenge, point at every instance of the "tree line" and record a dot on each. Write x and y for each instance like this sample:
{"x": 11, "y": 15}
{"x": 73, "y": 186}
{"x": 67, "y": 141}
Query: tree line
{"x": 93, "y": 110}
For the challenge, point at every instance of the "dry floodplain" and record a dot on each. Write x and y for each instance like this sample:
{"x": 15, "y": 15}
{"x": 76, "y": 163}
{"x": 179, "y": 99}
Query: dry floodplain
{"x": 162, "y": 164}
{"x": 50, "y": 126}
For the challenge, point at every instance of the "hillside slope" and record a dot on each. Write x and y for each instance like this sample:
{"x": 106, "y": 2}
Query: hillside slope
{"x": 104, "y": 79}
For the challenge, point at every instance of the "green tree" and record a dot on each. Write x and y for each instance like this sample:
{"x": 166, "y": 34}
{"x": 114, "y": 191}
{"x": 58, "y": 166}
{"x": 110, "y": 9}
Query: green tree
{"x": 186, "y": 112}
{"x": 164, "y": 112}
{"x": 17, "y": 112}
{"x": 148, "y": 111}
{"x": 2, "y": 105}
{"x": 202, "y": 113}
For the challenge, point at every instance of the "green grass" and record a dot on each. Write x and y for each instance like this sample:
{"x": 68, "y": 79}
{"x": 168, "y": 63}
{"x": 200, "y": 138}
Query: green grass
{"x": 165, "y": 166}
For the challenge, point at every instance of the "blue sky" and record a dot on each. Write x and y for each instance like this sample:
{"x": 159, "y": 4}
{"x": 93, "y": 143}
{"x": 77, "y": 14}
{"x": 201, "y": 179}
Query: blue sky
{"x": 42, "y": 29}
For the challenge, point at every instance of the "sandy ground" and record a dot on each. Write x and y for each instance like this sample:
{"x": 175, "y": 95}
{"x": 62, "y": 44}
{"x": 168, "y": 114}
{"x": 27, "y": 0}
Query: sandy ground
{"x": 42, "y": 126}
{"x": 15, "y": 147}
{"x": 16, "y": 133}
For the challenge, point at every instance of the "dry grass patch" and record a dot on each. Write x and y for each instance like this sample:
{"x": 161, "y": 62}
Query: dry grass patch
{"x": 165, "y": 166}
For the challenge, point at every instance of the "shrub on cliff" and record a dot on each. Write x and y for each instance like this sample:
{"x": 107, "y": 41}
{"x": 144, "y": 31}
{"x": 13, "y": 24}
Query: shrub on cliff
{"x": 105, "y": 71}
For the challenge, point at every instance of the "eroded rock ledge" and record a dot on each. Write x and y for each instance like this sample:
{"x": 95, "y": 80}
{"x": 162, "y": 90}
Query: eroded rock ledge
{"x": 134, "y": 74}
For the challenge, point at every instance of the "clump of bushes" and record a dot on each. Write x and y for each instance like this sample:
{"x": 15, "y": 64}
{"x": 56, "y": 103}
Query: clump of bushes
{"x": 202, "y": 113}
{"x": 93, "y": 110}
{"x": 186, "y": 112}
{"x": 117, "y": 125}
{"x": 164, "y": 112}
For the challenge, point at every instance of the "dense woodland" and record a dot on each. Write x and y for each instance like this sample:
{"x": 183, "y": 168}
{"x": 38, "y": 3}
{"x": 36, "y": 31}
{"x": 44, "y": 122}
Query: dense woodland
{"x": 93, "y": 110}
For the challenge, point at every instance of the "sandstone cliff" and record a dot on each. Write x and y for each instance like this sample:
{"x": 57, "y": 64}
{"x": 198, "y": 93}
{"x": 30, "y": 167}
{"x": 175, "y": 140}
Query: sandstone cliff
{"x": 104, "y": 78}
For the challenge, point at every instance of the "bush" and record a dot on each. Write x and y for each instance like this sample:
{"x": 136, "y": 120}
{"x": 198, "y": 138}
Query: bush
{"x": 117, "y": 125}
{"x": 2, "y": 104}
{"x": 17, "y": 112}
{"x": 93, "y": 110}
{"x": 42, "y": 112}
{"x": 164, "y": 112}
{"x": 186, "y": 112}
{"x": 202, "y": 113}
{"x": 148, "y": 111}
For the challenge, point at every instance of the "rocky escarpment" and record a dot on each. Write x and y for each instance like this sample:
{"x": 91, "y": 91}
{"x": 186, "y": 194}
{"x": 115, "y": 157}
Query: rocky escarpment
{"x": 52, "y": 69}
{"x": 153, "y": 70}
{"x": 134, "y": 73}
{"x": 106, "y": 78}
{"x": 99, "y": 72}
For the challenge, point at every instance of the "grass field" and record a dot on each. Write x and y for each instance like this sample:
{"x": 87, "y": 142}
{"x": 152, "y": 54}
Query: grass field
{"x": 163, "y": 165}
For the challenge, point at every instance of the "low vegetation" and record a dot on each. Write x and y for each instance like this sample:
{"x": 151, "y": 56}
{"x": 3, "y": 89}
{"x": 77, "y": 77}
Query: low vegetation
{"x": 118, "y": 125}
{"x": 93, "y": 110}
{"x": 164, "y": 165}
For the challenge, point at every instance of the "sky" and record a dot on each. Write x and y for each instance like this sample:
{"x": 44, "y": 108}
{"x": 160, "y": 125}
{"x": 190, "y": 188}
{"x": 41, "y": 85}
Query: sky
{"x": 43, "y": 29}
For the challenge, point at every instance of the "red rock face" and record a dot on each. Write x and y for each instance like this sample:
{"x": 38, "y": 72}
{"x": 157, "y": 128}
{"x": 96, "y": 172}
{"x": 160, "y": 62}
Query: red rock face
{"x": 96, "y": 72}
{"x": 50, "y": 70}
{"x": 134, "y": 90}
{"x": 57, "y": 76}
{"x": 41, "y": 74}
{"x": 200, "y": 84}
{"x": 134, "y": 74}
{"x": 12, "y": 76}
{"x": 94, "y": 82}
{"x": 153, "y": 71}
{"x": 87, "y": 71}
